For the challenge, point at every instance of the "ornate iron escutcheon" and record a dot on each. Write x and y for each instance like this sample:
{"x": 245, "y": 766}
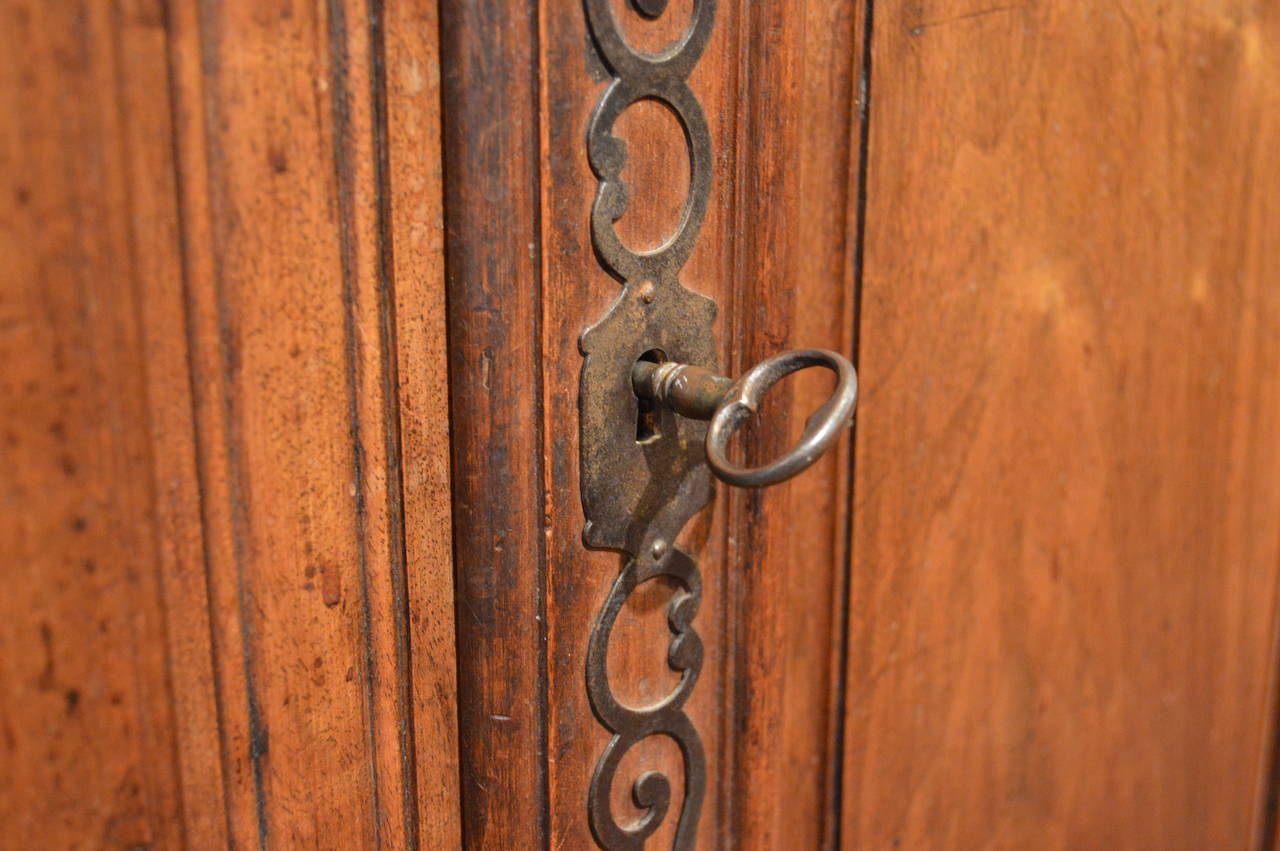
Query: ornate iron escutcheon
{"x": 654, "y": 353}
{"x": 638, "y": 496}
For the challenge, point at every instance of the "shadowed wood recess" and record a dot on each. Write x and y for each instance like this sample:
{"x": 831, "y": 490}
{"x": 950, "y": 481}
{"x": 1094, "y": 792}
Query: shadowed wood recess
{"x": 228, "y": 608}
{"x": 1067, "y": 522}
{"x": 491, "y": 260}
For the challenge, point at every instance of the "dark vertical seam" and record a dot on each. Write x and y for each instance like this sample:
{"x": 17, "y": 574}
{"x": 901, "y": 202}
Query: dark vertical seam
{"x": 842, "y": 672}
{"x": 1266, "y": 820}
{"x": 258, "y": 735}
{"x": 451, "y": 308}
{"x": 184, "y": 249}
{"x": 732, "y": 694}
{"x": 542, "y": 697}
{"x": 852, "y": 182}
{"x": 747, "y": 503}
{"x": 391, "y": 418}
{"x": 153, "y": 491}
{"x": 339, "y": 102}
{"x": 1266, "y": 831}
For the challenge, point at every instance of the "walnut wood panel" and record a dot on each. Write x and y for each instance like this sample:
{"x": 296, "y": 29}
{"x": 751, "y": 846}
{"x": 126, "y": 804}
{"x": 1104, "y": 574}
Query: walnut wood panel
{"x": 1067, "y": 502}
{"x": 520, "y": 83}
{"x": 156, "y": 255}
{"x": 232, "y": 536}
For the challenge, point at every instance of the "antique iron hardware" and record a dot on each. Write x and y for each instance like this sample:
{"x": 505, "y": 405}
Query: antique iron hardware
{"x": 699, "y": 393}
{"x": 649, "y": 385}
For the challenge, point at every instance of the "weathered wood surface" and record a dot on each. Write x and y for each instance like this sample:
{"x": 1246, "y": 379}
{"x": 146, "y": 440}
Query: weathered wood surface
{"x": 1067, "y": 503}
{"x": 228, "y": 399}
{"x": 92, "y": 715}
{"x": 795, "y": 195}
{"x": 229, "y": 504}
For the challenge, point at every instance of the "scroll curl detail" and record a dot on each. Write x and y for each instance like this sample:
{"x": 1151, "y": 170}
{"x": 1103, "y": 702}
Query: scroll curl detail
{"x": 638, "y": 77}
{"x": 652, "y": 790}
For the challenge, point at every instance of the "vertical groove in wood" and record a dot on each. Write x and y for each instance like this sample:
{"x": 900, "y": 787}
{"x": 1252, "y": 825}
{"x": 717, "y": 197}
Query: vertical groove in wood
{"x": 203, "y": 352}
{"x": 192, "y": 50}
{"x": 222, "y": 367}
{"x": 863, "y": 20}
{"x": 340, "y": 107}
{"x": 491, "y": 195}
{"x": 304, "y": 495}
{"x": 408, "y": 105}
{"x": 189, "y": 106}
{"x": 393, "y": 441}
{"x": 151, "y": 167}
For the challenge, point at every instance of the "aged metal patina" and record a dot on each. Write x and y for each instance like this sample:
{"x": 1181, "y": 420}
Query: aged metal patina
{"x": 698, "y": 393}
{"x": 639, "y": 495}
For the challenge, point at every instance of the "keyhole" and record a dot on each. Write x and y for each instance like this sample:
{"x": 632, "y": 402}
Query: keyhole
{"x": 647, "y": 420}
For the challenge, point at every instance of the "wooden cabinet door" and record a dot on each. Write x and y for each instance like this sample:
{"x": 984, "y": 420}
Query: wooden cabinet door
{"x": 291, "y": 317}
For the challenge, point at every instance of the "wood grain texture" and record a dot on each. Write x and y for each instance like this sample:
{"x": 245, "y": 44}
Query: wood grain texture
{"x": 523, "y": 285}
{"x": 82, "y": 633}
{"x": 1067, "y": 521}
{"x": 291, "y": 297}
{"x": 227, "y": 577}
{"x": 156, "y": 258}
{"x": 795, "y": 201}
{"x": 413, "y": 195}
{"x": 490, "y": 147}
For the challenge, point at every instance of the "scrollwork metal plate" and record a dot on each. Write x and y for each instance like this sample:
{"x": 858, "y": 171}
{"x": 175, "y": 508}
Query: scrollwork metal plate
{"x": 637, "y": 496}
